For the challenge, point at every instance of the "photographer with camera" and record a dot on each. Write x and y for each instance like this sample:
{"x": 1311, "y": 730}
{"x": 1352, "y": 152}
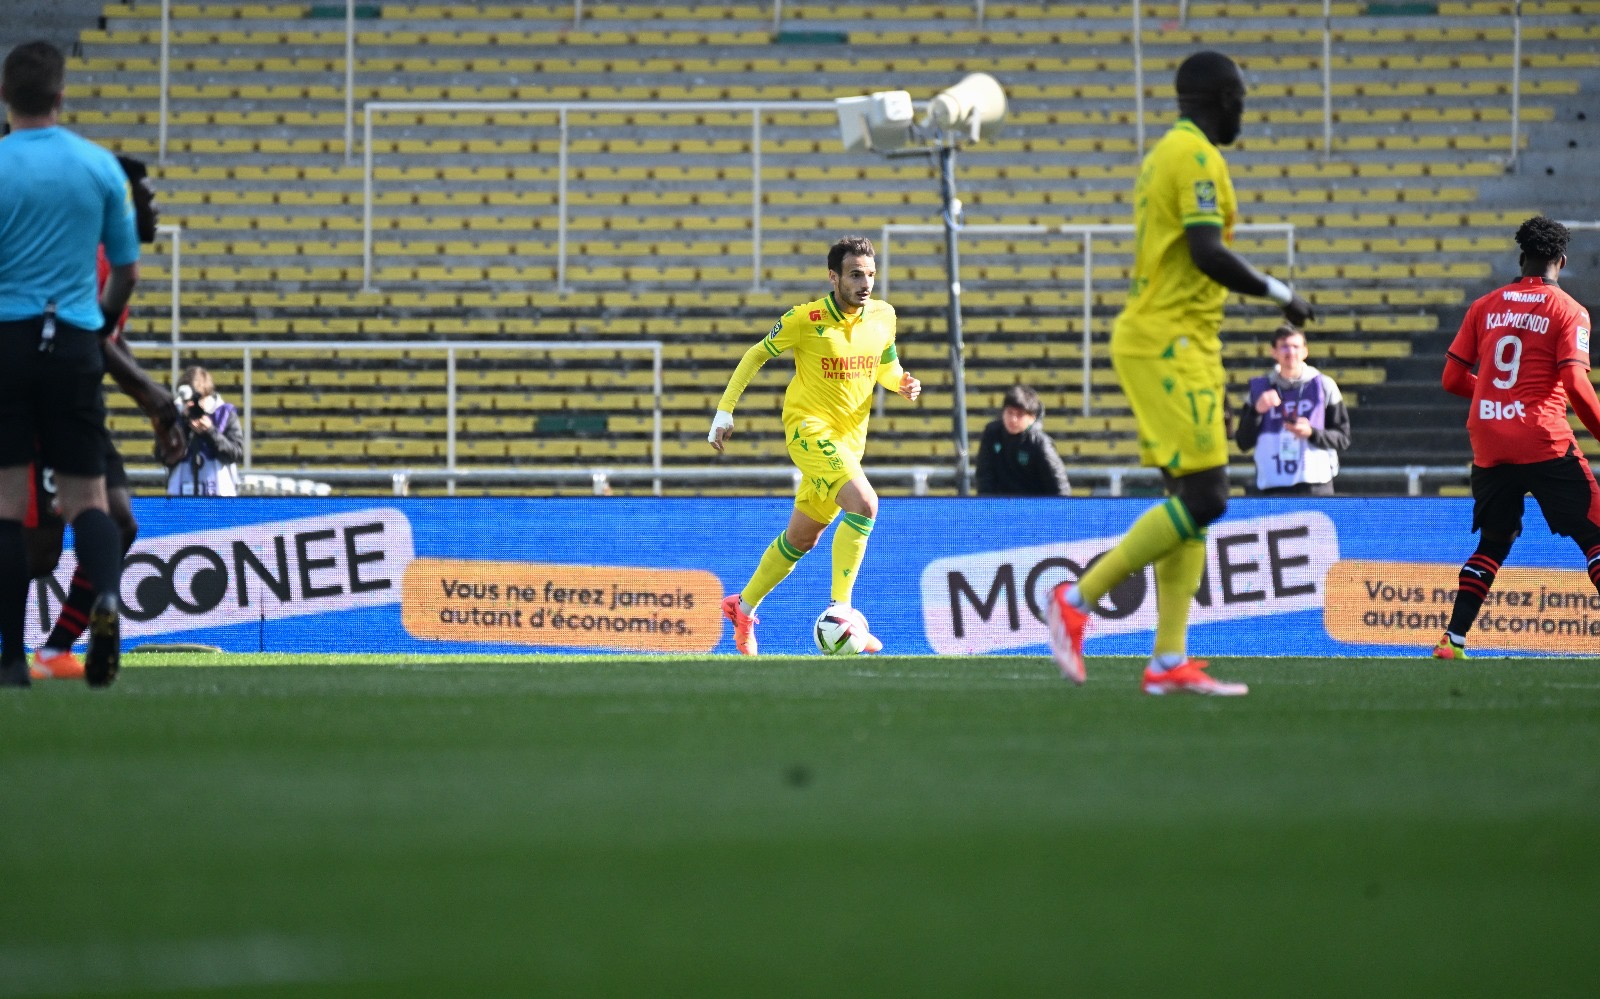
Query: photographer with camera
{"x": 213, "y": 436}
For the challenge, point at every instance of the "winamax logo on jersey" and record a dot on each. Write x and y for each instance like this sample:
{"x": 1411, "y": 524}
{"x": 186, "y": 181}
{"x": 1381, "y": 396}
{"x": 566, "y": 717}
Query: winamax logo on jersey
{"x": 989, "y": 601}
{"x": 271, "y": 570}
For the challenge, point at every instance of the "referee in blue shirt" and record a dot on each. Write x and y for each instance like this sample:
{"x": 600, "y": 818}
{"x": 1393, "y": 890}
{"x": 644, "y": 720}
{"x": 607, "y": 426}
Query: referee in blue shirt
{"x": 61, "y": 197}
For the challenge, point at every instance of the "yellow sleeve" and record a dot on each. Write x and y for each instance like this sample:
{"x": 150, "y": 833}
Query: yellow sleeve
{"x": 890, "y": 370}
{"x": 752, "y": 361}
{"x": 1200, "y": 181}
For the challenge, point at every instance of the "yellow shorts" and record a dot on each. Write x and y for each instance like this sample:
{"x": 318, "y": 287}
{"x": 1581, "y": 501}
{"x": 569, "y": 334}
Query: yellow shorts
{"x": 1180, "y": 403}
{"x": 826, "y": 463}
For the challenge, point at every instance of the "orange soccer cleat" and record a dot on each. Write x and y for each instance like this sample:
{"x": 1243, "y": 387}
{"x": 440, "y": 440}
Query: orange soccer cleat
{"x": 1067, "y": 625}
{"x": 53, "y": 664}
{"x": 1448, "y": 649}
{"x": 1189, "y": 677}
{"x": 744, "y": 625}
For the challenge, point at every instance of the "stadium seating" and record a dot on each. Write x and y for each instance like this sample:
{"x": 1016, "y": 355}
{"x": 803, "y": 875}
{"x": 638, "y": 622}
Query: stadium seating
{"x": 659, "y": 237}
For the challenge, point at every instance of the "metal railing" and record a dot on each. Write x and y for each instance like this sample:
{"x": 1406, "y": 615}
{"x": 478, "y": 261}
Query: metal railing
{"x": 1084, "y": 232}
{"x": 1114, "y": 481}
{"x": 563, "y": 109}
{"x": 979, "y": 18}
{"x": 450, "y": 350}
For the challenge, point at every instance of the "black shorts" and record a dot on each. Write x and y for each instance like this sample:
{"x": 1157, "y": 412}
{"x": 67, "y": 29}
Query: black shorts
{"x": 42, "y": 510}
{"x": 1564, "y": 488}
{"x": 51, "y": 409}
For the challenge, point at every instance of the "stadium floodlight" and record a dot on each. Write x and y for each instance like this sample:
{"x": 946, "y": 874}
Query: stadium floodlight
{"x": 884, "y": 122}
{"x": 880, "y": 121}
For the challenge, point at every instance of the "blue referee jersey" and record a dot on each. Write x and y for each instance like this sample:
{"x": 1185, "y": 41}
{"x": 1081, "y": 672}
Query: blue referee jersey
{"x": 61, "y": 197}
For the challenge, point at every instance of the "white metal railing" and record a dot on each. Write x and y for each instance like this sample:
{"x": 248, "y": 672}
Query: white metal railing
{"x": 174, "y": 234}
{"x": 563, "y": 109}
{"x": 1327, "y": 75}
{"x": 165, "y": 71}
{"x": 1114, "y": 480}
{"x": 1084, "y": 232}
{"x": 450, "y": 350}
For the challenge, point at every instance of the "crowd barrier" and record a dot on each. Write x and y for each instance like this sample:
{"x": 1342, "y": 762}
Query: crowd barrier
{"x": 1333, "y": 577}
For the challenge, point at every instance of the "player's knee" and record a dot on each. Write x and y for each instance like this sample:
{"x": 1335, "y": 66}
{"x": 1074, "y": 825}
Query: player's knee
{"x": 858, "y": 497}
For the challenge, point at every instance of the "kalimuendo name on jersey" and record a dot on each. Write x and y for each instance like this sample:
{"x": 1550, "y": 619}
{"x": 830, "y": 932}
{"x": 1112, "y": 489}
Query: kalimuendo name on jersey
{"x": 1518, "y": 320}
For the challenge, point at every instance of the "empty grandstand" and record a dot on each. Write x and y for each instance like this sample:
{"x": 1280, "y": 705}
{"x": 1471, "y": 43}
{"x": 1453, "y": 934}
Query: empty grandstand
{"x": 605, "y": 213}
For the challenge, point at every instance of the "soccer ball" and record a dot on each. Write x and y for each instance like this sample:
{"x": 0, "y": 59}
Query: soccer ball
{"x": 841, "y": 631}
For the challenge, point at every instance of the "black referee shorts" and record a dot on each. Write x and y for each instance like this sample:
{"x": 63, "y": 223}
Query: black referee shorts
{"x": 1563, "y": 487}
{"x": 51, "y": 408}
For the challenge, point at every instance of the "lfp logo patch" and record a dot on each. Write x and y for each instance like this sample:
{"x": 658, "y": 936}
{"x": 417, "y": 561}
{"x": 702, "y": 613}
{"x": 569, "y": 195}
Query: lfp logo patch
{"x": 1205, "y": 195}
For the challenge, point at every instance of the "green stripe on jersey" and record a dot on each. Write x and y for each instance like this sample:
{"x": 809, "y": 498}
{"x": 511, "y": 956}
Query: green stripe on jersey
{"x": 767, "y": 343}
{"x": 888, "y": 355}
{"x": 833, "y": 310}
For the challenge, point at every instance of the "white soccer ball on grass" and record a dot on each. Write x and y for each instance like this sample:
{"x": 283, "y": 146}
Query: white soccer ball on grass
{"x": 841, "y": 631}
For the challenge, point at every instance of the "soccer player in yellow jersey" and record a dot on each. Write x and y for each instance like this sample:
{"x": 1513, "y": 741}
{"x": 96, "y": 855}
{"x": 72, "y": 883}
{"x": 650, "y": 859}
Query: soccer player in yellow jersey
{"x": 843, "y": 345}
{"x": 1168, "y": 356}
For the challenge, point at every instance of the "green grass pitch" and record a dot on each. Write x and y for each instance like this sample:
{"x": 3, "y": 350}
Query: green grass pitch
{"x": 632, "y": 826}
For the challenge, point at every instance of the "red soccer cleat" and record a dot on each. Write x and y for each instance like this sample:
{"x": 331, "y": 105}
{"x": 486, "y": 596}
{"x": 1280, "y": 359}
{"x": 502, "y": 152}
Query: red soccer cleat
{"x": 50, "y": 664}
{"x": 1067, "y": 625}
{"x": 1189, "y": 677}
{"x": 744, "y": 625}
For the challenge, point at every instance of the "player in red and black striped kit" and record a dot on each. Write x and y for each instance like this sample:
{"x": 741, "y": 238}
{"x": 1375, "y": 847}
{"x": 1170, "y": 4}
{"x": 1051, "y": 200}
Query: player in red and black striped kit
{"x": 1530, "y": 343}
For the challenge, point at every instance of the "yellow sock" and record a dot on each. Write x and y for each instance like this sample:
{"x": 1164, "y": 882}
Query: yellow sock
{"x": 1157, "y": 532}
{"x": 849, "y": 548}
{"x": 1177, "y": 578}
{"x": 775, "y": 565}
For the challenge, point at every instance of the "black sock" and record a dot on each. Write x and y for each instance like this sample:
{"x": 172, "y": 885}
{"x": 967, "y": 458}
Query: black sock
{"x": 13, "y": 590}
{"x": 1473, "y": 584}
{"x": 98, "y": 545}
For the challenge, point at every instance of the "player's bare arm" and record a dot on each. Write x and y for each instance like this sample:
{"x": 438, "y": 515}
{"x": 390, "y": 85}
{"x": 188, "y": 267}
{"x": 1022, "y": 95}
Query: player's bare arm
{"x": 1219, "y": 263}
{"x": 153, "y": 399}
{"x": 118, "y": 289}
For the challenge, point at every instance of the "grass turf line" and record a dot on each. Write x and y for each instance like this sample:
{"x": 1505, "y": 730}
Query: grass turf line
{"x": 884, "y": 826}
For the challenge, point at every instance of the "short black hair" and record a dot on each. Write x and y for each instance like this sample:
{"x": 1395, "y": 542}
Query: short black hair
{"x": 1205, "y": 75}
{"x": 849, "y": 246}
{"x": 1284, "y": 331}
{"x": 35, "y": 74}
{"x": 1024, "y": 398}
{"x": 1543, "y": 239}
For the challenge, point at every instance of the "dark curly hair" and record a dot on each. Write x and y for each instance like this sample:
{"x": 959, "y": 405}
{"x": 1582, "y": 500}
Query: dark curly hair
{"x": 848, "y": 246}
{"x": 1543, "y": 239}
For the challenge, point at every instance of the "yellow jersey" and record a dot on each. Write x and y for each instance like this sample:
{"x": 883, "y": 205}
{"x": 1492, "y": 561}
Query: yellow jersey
{"x": 1183, "y": 182}
{"x": 837, "y": 361}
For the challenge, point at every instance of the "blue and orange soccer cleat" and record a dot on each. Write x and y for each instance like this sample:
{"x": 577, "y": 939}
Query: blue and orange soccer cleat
{"x": 1448, "y": 649}
{"x": 1067, "y": 625}
{"x": 1190, "y": 677}
{"x": 744, "y": 625}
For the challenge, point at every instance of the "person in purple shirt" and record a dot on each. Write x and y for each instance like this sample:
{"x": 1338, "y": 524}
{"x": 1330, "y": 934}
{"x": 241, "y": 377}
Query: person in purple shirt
{"x": 62, "y": 197}
{"x": 1295, "y": 421}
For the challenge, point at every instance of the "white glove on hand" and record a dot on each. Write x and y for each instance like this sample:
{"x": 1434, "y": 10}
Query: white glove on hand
{"x": 721, "y": 427}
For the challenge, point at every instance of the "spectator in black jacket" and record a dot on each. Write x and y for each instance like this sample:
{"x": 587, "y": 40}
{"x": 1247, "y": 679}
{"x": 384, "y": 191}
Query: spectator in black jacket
{"x": 1017, "y": 458}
